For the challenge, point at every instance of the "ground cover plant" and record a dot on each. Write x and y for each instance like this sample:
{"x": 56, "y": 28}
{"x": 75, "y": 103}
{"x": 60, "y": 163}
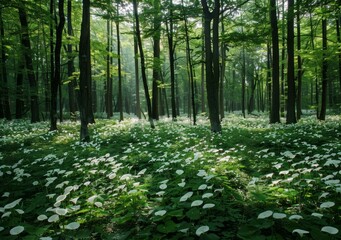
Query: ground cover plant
{"x": 253, "y": 181}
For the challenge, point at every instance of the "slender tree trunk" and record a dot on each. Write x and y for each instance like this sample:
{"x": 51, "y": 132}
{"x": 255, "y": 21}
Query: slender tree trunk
{"x": 338, "y": 34}
{"x": 143, "y": 67}
{"x": 108, "y": 92}
{"x": 283, "y": 80}
{"x": 212, "y": 62}
{"x": 71, "y": 67}
{"x": 268, "y": 76}
{"x": 171, "y": 49}
{"x": 203, "y": 101}
{"x": 120, "y": 95}
{"x": 85, "y": 72}
{"x": 25, "y": 42}
{"x": 291, "y": 115}
{"x": 222, "y": 73}
{"x": 156, "y": 60}
{"x": 275, "y": 97}
{"x": 322, "y": 115}
{"x": 299, "y": 63}
{"x": 55, "y": 84}
{"x": 137, "y": 78}
{"x": 4, "y": 98}
{"x": 190, "y": 69}
{"x": 243, "y": 81}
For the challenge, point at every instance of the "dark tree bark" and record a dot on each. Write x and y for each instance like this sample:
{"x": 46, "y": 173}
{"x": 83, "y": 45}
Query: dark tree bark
{"x": 190, "y": 68}
{"x": 291, "y": 115}
{"x": 109, "y": 84}
{"x": 156, "y": 60}
{"x": 338, "y": 34}
{"x": 137, "y": 79}
{"x": 56, "y": 81}
{"x": 243, "y": 81}
{"x": 120, "y": 95}
{"x": 70, "y": 65}
{"x": 203, "y": 101}
{"x": 25, "y": 42}
{"x": 85, "y": 72}
{"x": 322, "y": 115}
{"x": 5, "y": 106}
{"x": 212, "y": 62}
{"x": 222, "y": 73}
{"x": 299, "y": 63}
{"x": 143, "y": 67}
{"x": 275, "y": 98}
{"x": 171, "y": 50}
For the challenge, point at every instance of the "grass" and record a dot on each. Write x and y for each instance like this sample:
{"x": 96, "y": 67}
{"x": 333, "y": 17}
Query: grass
{"x": 254, "y": 181}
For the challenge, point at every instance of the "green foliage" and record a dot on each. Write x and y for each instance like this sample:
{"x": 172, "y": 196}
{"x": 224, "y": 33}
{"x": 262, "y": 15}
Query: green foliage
{"x": 254, "y": 181}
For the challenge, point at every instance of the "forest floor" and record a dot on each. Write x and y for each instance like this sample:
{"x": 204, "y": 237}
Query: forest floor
{"x": 178, "y": 181}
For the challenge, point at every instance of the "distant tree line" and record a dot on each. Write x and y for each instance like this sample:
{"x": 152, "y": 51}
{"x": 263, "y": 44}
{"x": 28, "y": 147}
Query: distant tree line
{"x": 152, "y": 58}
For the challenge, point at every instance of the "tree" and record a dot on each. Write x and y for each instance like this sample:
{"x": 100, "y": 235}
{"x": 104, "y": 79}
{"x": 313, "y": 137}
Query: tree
{"x": 143, "y": 66}
{"x": 171, "y": 52}
{"x": 120, "y": 97}
{"x": 156, "y": 59}
{"x": 291, "y": 115}
{"x": 275, "y": 97}
{"x": 27, "y": 52}
{"x": 212, "y": 62}
{"x": 56, "y": 81}
{"x": 5, "y": 110}
{"x": 70, "y": 64}
{"x": 322, "y": 114}
{"x": 85, "y": 73}
{"x": 299, "y": 62}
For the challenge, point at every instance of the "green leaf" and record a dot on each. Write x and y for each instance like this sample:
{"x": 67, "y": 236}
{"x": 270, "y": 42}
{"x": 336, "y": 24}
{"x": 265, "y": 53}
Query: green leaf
{"x": 176, "y": 213}
{"x": 193, "y": 214}
{"x": 168, "y": 227}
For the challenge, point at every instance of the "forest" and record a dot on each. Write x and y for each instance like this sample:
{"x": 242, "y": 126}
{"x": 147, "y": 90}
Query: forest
{"x": 172, "y": 119}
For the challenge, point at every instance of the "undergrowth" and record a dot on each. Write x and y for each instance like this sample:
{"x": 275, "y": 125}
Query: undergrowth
{"x": 253, "y": 181}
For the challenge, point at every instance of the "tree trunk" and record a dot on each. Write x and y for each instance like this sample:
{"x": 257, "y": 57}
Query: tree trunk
{"x": 71, "y": 67}
{"x": 190, "y": 68}
{"x": 243, "y": 81}
{"x": 212, "y": 62}
{"x": 203, "y": 101}
{"x": 55, "y": 84}
{"x": 108, "y": 90}
{"x": 137, "y": 79}
{"x": 120, "y": 95}
{"x": 275, "y": 98}
{"x": 299, "y": 63}
{"x": 4, "y": 98}
{"x": 322, "y": 115}
{"x": 85, "y": 72}
{"x": 291, "y": 115}
{"x": 25, "y": 42}
{"x": 143, "y": 67}
{"x": 171, "y": 49}
{"x": 222, "y": 74}
{"x": 339, "y": 49}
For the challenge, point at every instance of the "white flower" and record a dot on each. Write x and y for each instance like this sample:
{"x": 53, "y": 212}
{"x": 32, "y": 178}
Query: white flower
{"x": 186, "y": 196}
{"x": 330, "y": 230}
{"x": 16, "y": 230}
{"x": 160, "y": 213}
{"x": 300, "y": 232}
{"x": 196, "y": 203}
{"x": 265, "y": 214}
{"x": 201, "y": 230}
{"x": 208, "y": 205}
{"x": 72, "y": 226}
